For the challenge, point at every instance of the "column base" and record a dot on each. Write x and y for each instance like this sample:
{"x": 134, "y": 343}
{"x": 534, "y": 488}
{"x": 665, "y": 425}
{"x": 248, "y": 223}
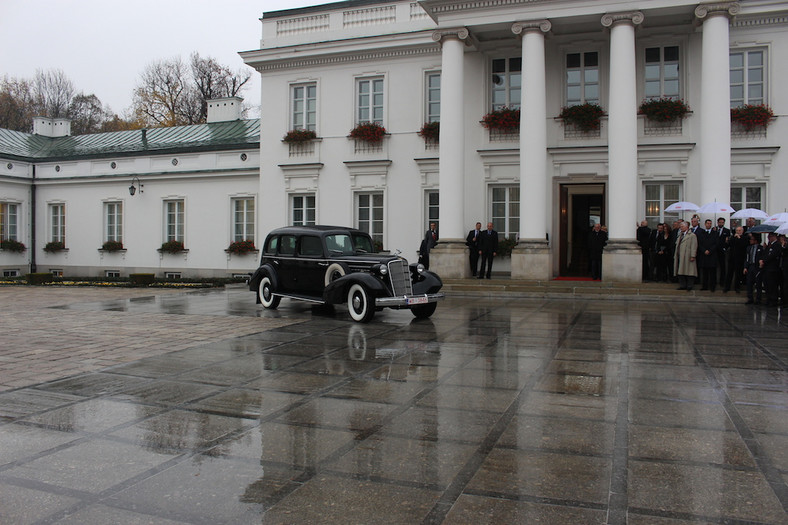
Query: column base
{"x": 531, "y": 260}
{"x": 622, "y": 262}
{"x": 449, "y": 259}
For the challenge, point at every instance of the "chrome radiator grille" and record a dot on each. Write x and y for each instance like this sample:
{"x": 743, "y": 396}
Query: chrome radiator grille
{"x": 400, "y": 277}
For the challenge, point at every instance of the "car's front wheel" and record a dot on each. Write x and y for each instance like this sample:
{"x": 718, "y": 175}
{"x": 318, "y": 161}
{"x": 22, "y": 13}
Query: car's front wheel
{"x": 266, "y": 292}
{"x": 424, "y": 311}
{"x": 360, "y": 303}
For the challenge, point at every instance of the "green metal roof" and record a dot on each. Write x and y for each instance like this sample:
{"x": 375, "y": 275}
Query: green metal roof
{"x": 235, "y": 134}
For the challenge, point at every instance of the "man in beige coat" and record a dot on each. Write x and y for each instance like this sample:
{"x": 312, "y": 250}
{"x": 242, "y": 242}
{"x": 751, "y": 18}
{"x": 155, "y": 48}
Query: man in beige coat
{"x": 684, "y": 259}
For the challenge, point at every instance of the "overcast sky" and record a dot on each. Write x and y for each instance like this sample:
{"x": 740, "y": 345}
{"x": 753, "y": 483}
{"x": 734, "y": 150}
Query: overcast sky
{"x": 104, "y": 45}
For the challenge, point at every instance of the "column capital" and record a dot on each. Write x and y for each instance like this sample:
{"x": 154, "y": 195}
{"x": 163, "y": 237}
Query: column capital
{"x": 522, "y": 27}
{"x": 457, "y": 33}
{"x": 706, "y": 11}
{"x": 633, "y": 17}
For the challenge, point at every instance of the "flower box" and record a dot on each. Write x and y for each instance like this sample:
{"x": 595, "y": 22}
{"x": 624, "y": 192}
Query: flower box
{"x": 171, "y": 247}
{"x": 370, "y": 132}
{"x": 112, "y": 246}
{"x": 430, "y": 131}
{"x": 585, "y": 117}
{"x": 664, "y": 109}
{"x": 299, "y": 136}
{"x": 241, "y": 247}
{"x": 12, "y": 246}
{"x": 54, "y": 246}
{"x": 751, "y": 117}
{"x": 505, "y": 120}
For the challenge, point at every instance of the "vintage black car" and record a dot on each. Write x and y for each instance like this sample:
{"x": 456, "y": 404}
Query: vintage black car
{"x": 334, "y": 264}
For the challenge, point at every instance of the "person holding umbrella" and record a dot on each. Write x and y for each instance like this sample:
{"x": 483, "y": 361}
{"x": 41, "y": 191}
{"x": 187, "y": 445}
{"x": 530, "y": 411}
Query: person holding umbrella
{"x": 684, "y": 262}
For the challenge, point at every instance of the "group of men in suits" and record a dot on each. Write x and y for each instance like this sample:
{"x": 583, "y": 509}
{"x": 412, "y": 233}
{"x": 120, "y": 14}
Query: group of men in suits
{"x": 740, "y": 257}
{"x": 483, "y": 244}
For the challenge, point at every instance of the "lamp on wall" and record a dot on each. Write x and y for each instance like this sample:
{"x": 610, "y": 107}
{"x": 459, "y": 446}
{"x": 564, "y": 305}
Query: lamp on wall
{"x": 132, "y": 189}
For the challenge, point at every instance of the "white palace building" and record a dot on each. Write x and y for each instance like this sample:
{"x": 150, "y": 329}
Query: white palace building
{"x": 404, "y": 63}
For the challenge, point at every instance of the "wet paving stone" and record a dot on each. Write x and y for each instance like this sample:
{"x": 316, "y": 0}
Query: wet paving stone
{"x": 495, "y": 410}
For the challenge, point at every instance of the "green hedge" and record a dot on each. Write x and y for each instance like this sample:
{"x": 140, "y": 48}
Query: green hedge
{"x": 39, "y": 278}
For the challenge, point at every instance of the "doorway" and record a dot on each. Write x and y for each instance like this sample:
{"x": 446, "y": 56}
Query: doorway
{"x": 582, "y": 205}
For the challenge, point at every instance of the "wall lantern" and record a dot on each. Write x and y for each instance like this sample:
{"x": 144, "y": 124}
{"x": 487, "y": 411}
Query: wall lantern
{"x": 132, "y": 189}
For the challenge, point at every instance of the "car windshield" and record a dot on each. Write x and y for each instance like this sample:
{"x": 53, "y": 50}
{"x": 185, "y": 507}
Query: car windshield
{"x": 343, "y": 244}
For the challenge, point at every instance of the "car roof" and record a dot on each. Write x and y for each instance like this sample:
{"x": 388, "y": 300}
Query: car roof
{"x": 318, "y": 229}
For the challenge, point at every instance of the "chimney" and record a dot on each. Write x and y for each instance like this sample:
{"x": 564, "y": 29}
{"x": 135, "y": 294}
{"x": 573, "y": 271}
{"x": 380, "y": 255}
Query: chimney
{"x": 51, "y": 127}
{"x": 224, "y": 109}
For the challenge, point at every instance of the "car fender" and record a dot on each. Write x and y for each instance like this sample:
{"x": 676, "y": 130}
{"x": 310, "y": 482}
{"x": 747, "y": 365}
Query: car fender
{"x": 266, "y": 269}
{"x": 428, "y": 283}
{"x": 336, "y": 291}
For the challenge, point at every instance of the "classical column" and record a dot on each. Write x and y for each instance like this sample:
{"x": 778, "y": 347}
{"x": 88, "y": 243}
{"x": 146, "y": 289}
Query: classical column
{"x": 715, "y": 102}
{"x": 449, "y": 258}
{"x": 621, "y": 259}
{"x": 531, "y": 258}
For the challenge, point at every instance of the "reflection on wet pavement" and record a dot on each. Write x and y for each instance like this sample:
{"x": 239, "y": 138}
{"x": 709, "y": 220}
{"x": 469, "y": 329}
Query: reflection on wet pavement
{"x": 493, "y": 411}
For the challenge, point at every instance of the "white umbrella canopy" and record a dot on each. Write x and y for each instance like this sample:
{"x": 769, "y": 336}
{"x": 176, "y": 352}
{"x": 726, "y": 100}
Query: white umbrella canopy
{"x": 750, "y": 213}
{"x": 777, "y": 219}
{"x": 682, "y": 206}
{"x": 782, "y": 230}
{"x": 716, "y": 208}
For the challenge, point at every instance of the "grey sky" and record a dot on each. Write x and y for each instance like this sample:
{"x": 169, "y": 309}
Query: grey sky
{"x": 104, "y": 45}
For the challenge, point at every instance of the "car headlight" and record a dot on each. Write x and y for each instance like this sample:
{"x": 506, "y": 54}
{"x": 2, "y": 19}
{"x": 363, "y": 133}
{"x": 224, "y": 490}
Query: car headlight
{"x": 383, "y": 269}
{"x": 420, "y": 268}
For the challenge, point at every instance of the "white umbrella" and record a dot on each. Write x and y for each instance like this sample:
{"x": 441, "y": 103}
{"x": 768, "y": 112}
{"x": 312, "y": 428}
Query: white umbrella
{"x": 750, "y": 213}
{"x": 715, "y": 208}
{"x": 782, "y": 230}
{"x": 682, "y": 206}
{"x": 777, "y": 219}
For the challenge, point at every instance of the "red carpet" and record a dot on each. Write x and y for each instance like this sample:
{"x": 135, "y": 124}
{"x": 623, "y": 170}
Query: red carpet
{"x": 569, "y": 278}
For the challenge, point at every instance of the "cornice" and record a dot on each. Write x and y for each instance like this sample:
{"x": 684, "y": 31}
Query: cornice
{"x": 479, "y": 4}
{"x": 761, "y": 20}
{"x": 363, "y": 56}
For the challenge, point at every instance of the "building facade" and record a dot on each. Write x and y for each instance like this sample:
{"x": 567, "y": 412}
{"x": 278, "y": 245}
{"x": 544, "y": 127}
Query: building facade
{"x": 63, "y": 197}
{"x": 402, "y": 64}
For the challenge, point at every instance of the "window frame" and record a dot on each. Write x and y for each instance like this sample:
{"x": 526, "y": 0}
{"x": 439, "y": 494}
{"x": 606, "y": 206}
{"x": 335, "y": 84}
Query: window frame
{"x": 662, "y": 65}
{"x": 506, "y": 232}
{"x": 368, "y": 225}
{"x": 745, "y": 52}
{"x": 303, "y": 121}
{"x": 57, "y": 222}
{"x": 6, "y": 224}
{"x": 429, "y": 101}
{"x": 371, "y": 106}
{"x": 248, "y": 226}
{"x": 661, "y": 202}
{"x": 583, "y": 68}
{"x": 507, "y": 84}
{"x": 744, "y": 202}
{"x": 177, "y": 225}
{"x": 432, "y": 210}
{"x": 303, "y": 208}
{"x": 113, "y": 232}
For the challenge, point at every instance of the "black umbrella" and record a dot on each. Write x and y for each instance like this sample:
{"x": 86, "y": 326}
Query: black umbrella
{"x": 762, "y": 228}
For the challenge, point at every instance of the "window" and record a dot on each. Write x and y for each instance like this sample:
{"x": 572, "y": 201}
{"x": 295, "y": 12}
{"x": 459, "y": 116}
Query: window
{"x": 9, "y": 222}
{"x": 113, "y": 218}
{"x": 243, "y": 219}
{"x": 369, "y": 214}
{"x": 746, "y": 196}
{"x": 748, "y": 77}
{"x": 433, "y": 109}
{"x": 303, "y": 210}
{"x": 506, "y": 82}
{"x": 111, "y": 273}
{"x": 369, "y": 106}
{"x": 172, "y": 275}
{"x": 10, "y": 273}
{"x": 658, "y": 197}
{"x": 582, "y": 78}
{"x": 662, "y": 72}
{"x": 57, "y": 223}
{"x": 433, "y": 209}
{"x": 304, "y": 107}
{"x": 506, "y": 211}
{"x": 311, "y": 246}
{"x": 173, "y": 212}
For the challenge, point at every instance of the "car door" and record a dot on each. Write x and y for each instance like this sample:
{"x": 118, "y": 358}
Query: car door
{"x": 286, "y": 264}
{"x": 311, "y": 266}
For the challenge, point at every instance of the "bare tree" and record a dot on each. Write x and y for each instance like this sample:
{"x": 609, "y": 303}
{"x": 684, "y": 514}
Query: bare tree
{"x": 213, "y": 80}
{"x": 53, "y": 92}
{"x": 16, "y": 104}
{"x": 87, "y": 114}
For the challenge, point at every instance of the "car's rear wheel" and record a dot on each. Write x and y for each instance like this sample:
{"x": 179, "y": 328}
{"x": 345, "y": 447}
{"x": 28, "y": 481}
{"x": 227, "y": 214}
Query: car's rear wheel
{"x": 266, "y": 292}
{"x": 360, "y": 303}
{"x": 423, "y": 311}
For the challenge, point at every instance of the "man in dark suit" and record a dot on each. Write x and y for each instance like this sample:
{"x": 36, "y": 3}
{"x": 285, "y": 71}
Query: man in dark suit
{"x": 429, "y": 242}
{"x": 707, "y": 256}
{"x": 488, "y": 248}
{"x": 770, "y": 267}
{"x": 752, "y": 268}
{"x": 472, "y": 242}
{"x": 643, "y": 236}
{"x": 723, "y": 234}
{"x": 597, "y": 238}
{"x": 737, "y": 253}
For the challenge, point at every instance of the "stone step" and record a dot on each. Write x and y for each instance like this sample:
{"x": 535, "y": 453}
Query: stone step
{"x": 498, "y": 286}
